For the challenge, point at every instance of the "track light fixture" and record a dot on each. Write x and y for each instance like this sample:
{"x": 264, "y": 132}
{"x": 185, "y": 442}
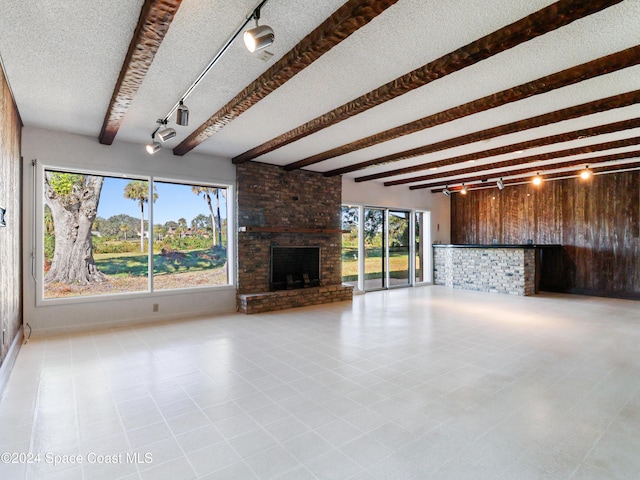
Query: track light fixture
{"x": 182, "y": 115}
{"x": 537, "y": 180}
{"x": 464, "y": 189}
{"x": 586, "y": 173}
{"x": 255, "y": 39}
{"x": 154, "y": 146}
{"x": 259, "y": 37}
{"x": 500, "y": 184}
{"x": 446, "y": 190}
{"x": 166, "y": 134}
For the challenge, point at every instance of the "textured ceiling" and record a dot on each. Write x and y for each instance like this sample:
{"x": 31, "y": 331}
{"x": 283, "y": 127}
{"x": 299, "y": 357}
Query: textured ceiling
{"x": 63, "y": 59}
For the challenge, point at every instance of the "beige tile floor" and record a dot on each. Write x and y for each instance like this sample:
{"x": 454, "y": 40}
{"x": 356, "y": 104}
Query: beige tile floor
{"x": 423, "y": 383}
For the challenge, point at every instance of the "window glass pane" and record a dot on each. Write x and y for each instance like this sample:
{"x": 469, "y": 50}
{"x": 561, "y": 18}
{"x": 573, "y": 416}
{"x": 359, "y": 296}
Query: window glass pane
{"x": 374, "y": 249}
{"x": 350, "y": 245}
{"x": 190, "y": 236}
{"x": 398, "y": 247}
{"x": 95, "y": 239}
{"x": 419, "y": 247}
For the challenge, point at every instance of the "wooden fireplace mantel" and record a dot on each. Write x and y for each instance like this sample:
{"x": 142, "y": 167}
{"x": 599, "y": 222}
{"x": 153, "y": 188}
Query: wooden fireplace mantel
{"x": 248, "y": 229}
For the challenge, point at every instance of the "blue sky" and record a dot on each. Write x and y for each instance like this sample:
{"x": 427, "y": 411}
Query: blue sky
{"x": 174, "y": 201}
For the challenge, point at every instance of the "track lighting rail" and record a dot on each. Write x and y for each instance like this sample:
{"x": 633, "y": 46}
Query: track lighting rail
{"x": 225, "y": 47}
{"x": 255, "y": 14}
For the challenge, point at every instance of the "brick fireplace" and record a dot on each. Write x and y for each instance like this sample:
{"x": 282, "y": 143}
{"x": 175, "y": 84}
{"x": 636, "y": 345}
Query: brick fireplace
{"x": 287, "y": 209}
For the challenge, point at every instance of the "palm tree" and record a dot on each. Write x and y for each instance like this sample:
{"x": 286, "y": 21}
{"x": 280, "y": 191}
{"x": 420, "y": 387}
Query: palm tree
{"x": 124, "y": 228}
{"x": 206, "y": 193}
{"x": 139, "y": 190}
{"x": 224, "y": 195}
{"x": 159, "y": 231}
{"x": 182, "y": 226}
{"x": 181, "y": 231}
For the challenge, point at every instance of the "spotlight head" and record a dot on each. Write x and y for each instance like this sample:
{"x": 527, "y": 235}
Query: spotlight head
{"x": 258, "y": 38}
{"x": 446, "y": 191}
{"x": 464, "y": 189}
{"x": 586, "y": 173}
{"x": 537, "y": 180}
{"x": 3, "y": 222}
{"x": 166, "y": 134}
{"x": 153, "y": 147}
{"x": 182, "y": 115}
{"x": 500, "y": 184}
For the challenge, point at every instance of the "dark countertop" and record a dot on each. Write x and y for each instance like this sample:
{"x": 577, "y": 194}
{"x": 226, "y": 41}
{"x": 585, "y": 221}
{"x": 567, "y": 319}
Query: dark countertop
{"x": 526, "y": 245}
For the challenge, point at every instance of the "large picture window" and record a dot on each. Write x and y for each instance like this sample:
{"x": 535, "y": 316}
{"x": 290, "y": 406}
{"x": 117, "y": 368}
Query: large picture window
{"x": 116, "y": 235}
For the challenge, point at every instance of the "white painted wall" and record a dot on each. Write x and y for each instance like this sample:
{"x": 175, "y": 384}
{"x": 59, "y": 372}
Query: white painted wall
{"x": 60, "y": 149}
{"x": 377, "y": 195}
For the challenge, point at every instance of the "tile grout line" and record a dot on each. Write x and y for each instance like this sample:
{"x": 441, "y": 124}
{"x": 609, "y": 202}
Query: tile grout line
{"x": 604, "y": 430}
{"x": 36, "y": 407}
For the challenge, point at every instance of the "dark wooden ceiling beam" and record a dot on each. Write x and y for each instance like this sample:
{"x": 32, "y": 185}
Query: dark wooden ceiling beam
{"x": 625, "y": 167}
{"x": 514, "y": 147}
{"x": 600, "y": 66}
{"x": 153, "y": 24}
{"x": 598, "y": 147}
{"x": 543, "y": 21}
{"x": 589, "y": 108}
{"x": 341, "y": 24}
{"x": 592, "y": 162}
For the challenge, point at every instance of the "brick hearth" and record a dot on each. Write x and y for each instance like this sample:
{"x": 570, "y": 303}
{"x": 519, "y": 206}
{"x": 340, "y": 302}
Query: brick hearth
{"x": 271, "y": 201}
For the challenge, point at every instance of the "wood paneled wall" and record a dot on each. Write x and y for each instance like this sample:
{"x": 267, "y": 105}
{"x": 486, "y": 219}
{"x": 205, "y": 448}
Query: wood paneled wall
{"x": 11, "y": 235}
{"x": 597, "y": 222}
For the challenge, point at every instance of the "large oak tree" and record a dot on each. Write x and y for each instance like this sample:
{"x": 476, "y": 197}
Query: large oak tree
{"x": 73, "y": 200}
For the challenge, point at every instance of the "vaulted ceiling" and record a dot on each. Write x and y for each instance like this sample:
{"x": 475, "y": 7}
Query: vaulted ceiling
{"x": 411, "y": 93}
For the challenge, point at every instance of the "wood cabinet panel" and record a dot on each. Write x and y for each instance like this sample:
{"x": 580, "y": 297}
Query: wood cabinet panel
{"x": 597, "y": 222}
{"x": 10, "y": 236}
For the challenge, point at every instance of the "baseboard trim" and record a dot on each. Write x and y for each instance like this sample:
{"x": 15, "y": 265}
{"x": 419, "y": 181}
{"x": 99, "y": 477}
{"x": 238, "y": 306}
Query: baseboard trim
{"x": 595, "y": 293}
{"x": 10, "y": 360}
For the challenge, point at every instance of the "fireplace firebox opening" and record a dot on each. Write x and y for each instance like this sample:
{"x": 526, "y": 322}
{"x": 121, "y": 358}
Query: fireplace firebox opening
{"x": 294, "y": 267}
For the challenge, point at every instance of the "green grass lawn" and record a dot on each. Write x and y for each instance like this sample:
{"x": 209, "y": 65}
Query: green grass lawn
{"x": 130, "y": 264}
{"x": 398, "y": 264}
{"x": 135, "y": 264}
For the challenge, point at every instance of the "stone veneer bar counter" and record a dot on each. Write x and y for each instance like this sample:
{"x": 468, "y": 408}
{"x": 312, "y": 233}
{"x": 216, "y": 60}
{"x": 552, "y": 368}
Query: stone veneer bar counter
{"x": 511, "y": 269}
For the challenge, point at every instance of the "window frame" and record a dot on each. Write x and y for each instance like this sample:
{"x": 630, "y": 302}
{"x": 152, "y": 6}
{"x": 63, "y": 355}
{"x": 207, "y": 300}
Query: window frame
{"x": 38, "y": 240}
{"x": 428, "y": 251}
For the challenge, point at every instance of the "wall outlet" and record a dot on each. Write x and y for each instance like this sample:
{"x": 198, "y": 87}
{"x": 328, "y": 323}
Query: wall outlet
{"x": 156, "y": 307}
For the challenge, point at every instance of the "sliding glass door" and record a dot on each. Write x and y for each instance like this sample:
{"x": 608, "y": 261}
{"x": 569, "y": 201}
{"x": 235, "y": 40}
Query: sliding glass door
{"x": 375, "y": 263}
{"x": 399, "y": 247}
{"x": 385, "y": 248}
{"x": 419, "y": 248}
{"x": 350, "y": 245}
